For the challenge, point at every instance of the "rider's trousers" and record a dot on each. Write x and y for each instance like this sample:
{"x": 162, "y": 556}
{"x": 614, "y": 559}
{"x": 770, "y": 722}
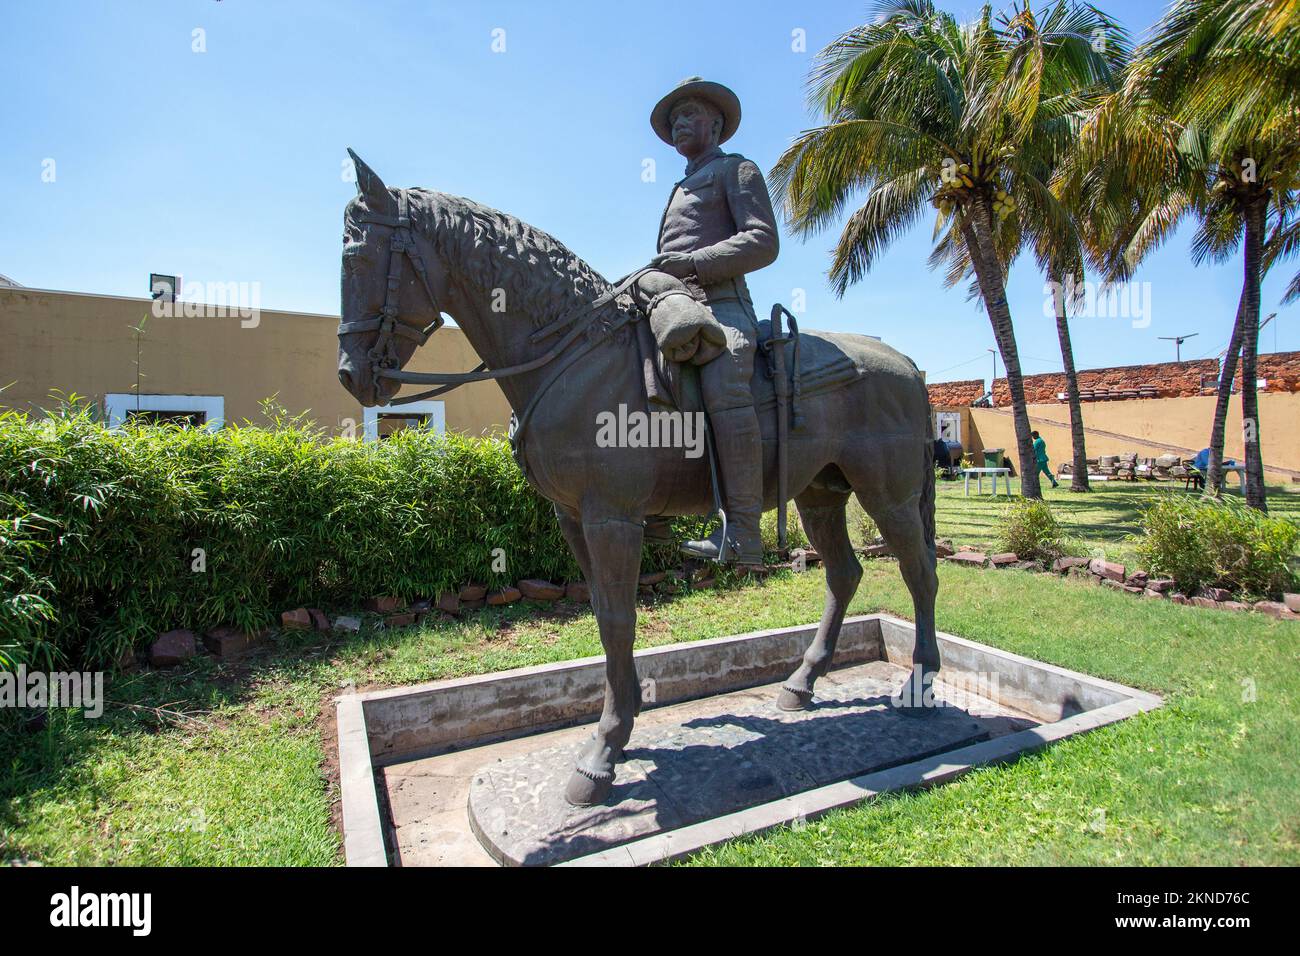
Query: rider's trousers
{"x": 725, "y": 380}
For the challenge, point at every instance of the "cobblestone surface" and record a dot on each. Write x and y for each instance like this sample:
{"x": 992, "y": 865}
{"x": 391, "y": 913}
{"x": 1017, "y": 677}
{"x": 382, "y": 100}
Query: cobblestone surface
{"x": 721, "y": 755}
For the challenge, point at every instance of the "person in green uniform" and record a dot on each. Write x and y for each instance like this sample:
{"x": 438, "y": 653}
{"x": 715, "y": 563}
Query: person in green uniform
{"x": 1040, "y": 455}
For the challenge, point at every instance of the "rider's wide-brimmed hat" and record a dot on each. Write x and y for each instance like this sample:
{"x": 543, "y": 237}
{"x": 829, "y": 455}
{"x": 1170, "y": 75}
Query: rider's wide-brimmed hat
{"x": 727, "y": 102}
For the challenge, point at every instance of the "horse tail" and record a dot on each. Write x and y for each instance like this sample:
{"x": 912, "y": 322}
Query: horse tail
{"x": 927, "y": 483}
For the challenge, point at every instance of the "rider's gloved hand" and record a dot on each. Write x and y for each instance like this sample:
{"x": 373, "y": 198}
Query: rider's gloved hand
{"x": 679, "y": 264}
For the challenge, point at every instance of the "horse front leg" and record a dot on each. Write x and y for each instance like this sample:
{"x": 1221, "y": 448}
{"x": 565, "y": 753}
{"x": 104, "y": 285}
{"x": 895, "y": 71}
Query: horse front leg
{"x": 827, "y": 528}
{"x": 614, "y": 551}
{"x": 571, "y": 528}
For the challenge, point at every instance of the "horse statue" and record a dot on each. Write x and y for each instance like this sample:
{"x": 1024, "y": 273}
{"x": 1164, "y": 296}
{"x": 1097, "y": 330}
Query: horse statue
{"x": 559, "y": 342}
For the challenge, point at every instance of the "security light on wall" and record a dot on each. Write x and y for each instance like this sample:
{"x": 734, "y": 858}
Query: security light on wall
{"x": 163, "y": 287}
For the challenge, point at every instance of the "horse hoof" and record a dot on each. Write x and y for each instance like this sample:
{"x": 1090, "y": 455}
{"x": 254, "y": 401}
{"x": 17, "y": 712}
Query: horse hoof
{"x": 794, "y": 699}
{"x": 615, "y": 756}
{"x": 586, "y": 791}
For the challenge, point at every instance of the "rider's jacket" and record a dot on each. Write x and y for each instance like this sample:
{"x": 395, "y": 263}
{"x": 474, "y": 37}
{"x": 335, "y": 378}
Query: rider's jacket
{"x": 721, "y": 214}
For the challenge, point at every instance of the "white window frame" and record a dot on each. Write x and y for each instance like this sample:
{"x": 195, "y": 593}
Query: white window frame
{"x": 436, "y": 410}
{"x": 952, "y": 417}
{"x": 119, "y": 405}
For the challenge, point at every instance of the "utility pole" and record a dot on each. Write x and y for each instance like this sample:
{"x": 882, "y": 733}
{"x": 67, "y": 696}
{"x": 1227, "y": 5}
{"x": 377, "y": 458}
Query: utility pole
{"x": 1178, "y": 341}
{"x": 994, "y": 379}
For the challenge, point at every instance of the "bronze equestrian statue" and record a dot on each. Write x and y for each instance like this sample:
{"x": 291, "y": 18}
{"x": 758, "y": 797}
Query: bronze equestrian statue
{"x": 562, "y": 343}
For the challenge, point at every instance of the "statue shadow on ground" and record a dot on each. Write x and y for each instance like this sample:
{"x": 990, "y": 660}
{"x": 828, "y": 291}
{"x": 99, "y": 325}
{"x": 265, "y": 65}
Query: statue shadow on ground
{"x": 710, "y": 766}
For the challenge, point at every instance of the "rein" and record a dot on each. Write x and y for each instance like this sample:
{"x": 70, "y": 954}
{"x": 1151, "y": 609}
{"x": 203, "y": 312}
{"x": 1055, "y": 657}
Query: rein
{"x": 383, "y": 354}
{"x": 451, "y": 380}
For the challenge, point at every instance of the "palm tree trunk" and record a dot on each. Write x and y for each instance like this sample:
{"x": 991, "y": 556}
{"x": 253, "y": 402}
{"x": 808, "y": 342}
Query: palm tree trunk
{"x": 1227, "y": 373}
{"x": 1079, "y": 478}
{"x": 977, "y": 230}
{"x": 1255, "y": 215}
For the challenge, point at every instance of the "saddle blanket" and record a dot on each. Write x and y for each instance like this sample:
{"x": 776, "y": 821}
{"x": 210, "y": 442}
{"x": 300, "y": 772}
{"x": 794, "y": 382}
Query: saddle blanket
{"x": 826, "y": 361}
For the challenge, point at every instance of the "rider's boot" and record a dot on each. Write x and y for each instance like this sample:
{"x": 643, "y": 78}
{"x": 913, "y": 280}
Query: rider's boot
{"x": 739, "y": 446}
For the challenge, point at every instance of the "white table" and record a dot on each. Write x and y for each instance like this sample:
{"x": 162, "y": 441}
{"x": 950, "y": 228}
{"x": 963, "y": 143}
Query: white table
{"x": 979, "y": 474}
{"x": 1241, "y": 475}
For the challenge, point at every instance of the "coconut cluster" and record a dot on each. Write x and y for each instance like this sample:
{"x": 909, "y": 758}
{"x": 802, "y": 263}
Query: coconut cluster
{"x": 960, "y": 182}
{"x": 1004, "y": 204}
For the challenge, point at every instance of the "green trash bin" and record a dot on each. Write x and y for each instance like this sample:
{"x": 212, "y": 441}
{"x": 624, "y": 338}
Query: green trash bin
{"x": 993, "y": 457}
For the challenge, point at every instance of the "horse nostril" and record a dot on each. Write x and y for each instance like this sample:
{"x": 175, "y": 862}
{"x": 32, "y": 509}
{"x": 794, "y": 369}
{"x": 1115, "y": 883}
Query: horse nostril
{"x": 345, "y": 379}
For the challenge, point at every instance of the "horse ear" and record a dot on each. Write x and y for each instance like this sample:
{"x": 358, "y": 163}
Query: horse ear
{"x": 369, "y": 186}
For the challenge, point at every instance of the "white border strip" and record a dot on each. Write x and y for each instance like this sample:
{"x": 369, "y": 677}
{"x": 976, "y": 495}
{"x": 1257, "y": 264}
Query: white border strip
{"x": 363, "y": 836}
{"x": 436, "y": 410}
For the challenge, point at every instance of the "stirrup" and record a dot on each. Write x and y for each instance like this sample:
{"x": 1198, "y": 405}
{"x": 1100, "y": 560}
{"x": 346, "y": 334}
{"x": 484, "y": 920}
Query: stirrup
{"x": 722, "y": 530}
{"x": 721, "y": 548}
{"x": 707, "y": 549}
{"x": 721, "y": 512}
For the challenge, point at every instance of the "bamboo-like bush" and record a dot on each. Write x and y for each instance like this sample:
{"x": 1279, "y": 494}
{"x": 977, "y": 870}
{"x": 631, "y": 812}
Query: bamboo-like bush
{"x": 99, "y": 528}
{"x": 1201, "y": 542}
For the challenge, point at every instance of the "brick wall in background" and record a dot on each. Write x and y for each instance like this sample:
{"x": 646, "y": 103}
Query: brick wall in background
{"x": 955, "y": 394}
{"x": 1279, "y": 370}
{"x": 1170, "y": 379}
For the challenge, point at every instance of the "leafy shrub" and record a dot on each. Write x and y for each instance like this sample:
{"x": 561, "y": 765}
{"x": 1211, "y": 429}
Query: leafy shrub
{"x": 1029, "y": 528}
{"x": 795, "y": 537}
{"x": 99, "y": 528}
{"x": 1201, "y": 542}
{"x": 862, "y": 527}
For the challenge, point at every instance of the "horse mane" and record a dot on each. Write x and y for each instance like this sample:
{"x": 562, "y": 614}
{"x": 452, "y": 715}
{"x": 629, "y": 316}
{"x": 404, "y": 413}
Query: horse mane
{"x": 494, "y": 250}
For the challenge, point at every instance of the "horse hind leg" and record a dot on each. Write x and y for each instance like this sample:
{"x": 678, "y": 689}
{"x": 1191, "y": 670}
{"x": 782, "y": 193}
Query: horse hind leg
{"x": 908, "y": 530}
{"x": 824, "y": 521}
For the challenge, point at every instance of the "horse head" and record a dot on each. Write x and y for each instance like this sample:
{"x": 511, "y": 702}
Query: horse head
{"x": 413, "y": 255}
{"x": 391, "y": 294}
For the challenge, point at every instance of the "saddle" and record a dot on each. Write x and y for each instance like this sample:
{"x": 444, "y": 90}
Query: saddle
{"x": 817, "y": 362}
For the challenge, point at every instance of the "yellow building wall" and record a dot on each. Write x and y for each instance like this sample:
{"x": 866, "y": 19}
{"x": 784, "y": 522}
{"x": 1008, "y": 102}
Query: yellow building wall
{"x": 1111, "y": 428}
{"x": 84, "y": 343}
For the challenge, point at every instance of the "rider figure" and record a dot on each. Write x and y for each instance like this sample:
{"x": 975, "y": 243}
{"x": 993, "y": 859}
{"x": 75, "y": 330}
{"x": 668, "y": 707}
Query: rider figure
{"x": 719, "y": 225}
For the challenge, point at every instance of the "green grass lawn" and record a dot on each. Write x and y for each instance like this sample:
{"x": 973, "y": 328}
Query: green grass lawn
{"x": 1100, "y": 519}
{"x": 228, "y": 764}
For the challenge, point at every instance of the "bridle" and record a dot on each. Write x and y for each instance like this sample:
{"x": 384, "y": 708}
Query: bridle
{"x": 384, "y": 361}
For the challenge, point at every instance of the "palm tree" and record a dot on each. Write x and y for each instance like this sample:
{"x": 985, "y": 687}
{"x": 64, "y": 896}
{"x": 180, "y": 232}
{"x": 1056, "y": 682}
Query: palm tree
{"x": 1055, "y": 227}
{"x": 1051, "y": 227}
{"x": 924, "y": 111}
{"x": 1208, "y": 125}
{"x": 1287, "y": 239}
{"x": 1078, "y": 449}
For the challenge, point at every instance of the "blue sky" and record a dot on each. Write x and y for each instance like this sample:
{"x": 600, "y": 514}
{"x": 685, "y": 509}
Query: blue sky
{"x": 225, "y": 165}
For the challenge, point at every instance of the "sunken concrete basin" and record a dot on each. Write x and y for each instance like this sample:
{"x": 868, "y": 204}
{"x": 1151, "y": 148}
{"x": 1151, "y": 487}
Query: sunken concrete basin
{"x": 472, "y": 771}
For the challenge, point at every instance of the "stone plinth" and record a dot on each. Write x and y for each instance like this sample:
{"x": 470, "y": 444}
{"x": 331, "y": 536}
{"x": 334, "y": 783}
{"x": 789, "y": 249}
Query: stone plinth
{"x": 716, "y": 757}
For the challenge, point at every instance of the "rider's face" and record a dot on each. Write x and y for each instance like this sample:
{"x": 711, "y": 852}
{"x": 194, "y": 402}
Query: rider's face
{"x": 696, "y": 126}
